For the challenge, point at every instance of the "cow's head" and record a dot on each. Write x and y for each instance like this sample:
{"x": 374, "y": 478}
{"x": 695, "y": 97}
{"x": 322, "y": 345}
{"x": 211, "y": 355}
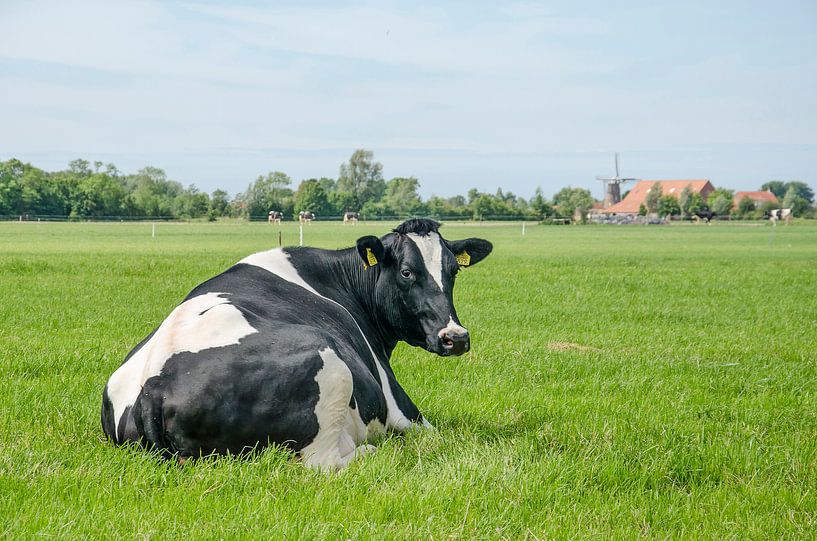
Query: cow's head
{"x": 415, "y": 283}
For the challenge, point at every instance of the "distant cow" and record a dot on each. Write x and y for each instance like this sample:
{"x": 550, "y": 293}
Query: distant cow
{"x": 351, "y": 217}
{"x": 275, "y": 217}
{"x": 306, "y": 217}
{"x": 780, "y": 214}
{"x": 703, "y": 214}
{"x": 292, "y": 347}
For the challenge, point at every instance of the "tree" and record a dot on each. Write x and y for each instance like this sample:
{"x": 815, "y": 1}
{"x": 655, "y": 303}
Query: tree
{"x": 696, "y": 203}
{"x": 268, "y": 192}
{"x": 362, "y": 177}
{"x": 801, "y": 190}
{"x": 401, "y": 195}
{"x": 685, "y": 199}
{"x": 11, "y": 189}
{"x": 746, "y": 207}
{"x": 798, "y": 204}
{"x": 311, "y": 197}
{"x": 99, "y": 194}
{"x": 219, "y": 203}
{"x": 151, "y": 193}
{"x": 653, "y": 197}
{"x": 539, "y": 204}
{"x": 777, "y": 187}
{"x": 668, "y": 206}
{"x": 569, "y": 200}
{"x": 720, "y": 201}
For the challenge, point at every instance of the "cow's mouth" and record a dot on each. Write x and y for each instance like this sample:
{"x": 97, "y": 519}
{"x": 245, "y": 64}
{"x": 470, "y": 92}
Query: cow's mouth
{"x": 453, "y": 345}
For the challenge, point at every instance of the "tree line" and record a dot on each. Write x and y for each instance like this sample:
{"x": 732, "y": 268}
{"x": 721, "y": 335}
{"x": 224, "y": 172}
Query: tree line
{"x": 88, "y": 190}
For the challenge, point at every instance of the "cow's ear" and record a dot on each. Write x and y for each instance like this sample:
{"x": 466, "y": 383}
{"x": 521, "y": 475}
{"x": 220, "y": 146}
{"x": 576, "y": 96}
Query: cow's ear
{"x": 371, "y": 250}
{"x": 470, "y": 251}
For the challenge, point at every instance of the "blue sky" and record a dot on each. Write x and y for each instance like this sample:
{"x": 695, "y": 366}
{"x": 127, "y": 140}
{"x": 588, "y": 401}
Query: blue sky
{"x": 460, "y": 95}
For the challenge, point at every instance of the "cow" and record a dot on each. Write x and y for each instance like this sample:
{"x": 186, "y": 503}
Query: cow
{"x": 780, "y": 214}
{"x": 306, "y": 217}
{"x": 351, "y": 218}
{"x": 275, "y": 217}
{"x": 703, "y": 214}
{"x": 292, "y": 347}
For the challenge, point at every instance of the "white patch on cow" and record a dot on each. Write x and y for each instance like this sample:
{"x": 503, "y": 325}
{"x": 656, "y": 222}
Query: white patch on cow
{"x": 203, "y": 322}
{"x": 340, "y": 429}
{"x": 277, "y": 262}
{"x": 452, "y": 327}
{"x": 431, "y": 249}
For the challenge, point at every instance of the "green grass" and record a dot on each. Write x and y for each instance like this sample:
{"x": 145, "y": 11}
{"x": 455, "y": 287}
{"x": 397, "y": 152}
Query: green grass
{"x": 624, "y": 382}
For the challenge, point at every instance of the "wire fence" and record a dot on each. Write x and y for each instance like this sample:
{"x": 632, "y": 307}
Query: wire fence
{"x": 261, "y": 218}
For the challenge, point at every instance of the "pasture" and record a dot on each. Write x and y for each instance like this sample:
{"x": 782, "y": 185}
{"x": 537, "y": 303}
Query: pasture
{"x": 624, "y": 382}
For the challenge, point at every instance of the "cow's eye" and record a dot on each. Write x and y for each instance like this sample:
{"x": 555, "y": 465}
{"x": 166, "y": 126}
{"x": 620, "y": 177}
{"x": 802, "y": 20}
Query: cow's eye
{"x": 406, "y": 273}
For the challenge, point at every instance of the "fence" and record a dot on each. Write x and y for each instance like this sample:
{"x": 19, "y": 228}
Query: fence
{"x": 263, "y": 218}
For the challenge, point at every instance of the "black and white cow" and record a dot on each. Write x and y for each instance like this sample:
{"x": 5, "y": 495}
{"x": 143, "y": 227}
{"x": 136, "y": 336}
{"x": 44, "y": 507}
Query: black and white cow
{"x": 292, "y": 346}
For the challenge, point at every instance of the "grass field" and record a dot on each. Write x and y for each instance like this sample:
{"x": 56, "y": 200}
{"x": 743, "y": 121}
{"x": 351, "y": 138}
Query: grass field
{"x": 624, "y": 382}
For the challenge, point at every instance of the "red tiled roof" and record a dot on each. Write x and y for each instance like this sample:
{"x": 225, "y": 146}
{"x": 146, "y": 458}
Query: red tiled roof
{"x": 636, "y": 197}
{"x": 755, "y": 196}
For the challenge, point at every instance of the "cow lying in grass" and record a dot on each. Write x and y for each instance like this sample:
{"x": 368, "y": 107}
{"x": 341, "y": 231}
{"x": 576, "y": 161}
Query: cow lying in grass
{"x": 292, "y": 346}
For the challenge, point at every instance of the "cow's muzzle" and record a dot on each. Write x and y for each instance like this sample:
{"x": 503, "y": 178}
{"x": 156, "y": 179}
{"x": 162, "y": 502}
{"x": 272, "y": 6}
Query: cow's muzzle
{"x": 454, "y": 341}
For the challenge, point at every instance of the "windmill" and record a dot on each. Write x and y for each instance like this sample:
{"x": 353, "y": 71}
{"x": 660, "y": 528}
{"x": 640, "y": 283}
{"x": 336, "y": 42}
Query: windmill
{"x": 612, "y": 186}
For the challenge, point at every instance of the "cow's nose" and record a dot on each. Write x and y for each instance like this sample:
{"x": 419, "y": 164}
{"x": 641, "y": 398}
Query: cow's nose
{"x": 455, "y": 342}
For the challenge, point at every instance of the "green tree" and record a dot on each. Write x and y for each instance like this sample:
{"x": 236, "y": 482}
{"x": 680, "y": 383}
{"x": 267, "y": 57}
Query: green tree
{"x": 720, "y": 201}
{"x": 798, "y": 204}
{"x": 653, "y": 198}
{"x": 746, "y": 208}
{"x": 99, "y": 194}
{"x": 219, "y": 203}
{"x": 570, "y": 199}
{"x": 268, "y": 192}
{"x": 540, "y": 205}
{"x": 696, "y": 203}
{"x": 801, "y": 190}
{"x": 362, "y": 177}
{"x": 401, "y": 195}
{"x": 11, "y": 189}
{"x": 777, "y": 187}
{"x": 151, "y": 193}
{"x": 311, "y": 197}
{"x": 668, "y": 206}
{"x": 685, "y": 200}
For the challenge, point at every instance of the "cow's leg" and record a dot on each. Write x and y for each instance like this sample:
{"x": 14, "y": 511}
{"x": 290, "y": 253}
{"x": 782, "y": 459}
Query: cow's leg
{"x": 335, "y": 444}
{"x": 402, "y": 413}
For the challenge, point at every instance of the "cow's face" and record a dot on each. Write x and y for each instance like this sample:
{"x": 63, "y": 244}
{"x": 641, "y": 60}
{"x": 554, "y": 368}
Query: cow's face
{"x": 415, "y": 284}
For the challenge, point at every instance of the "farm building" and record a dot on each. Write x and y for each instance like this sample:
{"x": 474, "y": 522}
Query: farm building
{"x": 635, "y": 198}
{"x": 758, "y": 198}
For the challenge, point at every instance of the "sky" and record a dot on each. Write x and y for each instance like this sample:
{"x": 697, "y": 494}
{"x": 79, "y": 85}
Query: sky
{"x": 458, "y": 94}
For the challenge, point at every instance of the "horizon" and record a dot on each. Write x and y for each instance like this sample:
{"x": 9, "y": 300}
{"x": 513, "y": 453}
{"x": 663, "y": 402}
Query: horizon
{"x": 516, "y": 96}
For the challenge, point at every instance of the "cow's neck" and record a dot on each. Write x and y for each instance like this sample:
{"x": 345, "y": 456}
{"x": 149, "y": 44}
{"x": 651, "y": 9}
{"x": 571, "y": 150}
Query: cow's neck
{"x": 340, "y": 276}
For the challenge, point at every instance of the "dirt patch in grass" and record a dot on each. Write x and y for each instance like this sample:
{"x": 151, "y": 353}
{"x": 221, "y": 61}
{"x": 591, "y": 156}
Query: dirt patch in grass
{"x": 566, "y": 346}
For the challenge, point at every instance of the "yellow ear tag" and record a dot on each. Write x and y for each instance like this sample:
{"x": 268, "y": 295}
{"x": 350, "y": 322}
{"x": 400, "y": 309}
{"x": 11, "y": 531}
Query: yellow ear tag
{"x": 370, "y": 256}
{"x": 464, "y": 259}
